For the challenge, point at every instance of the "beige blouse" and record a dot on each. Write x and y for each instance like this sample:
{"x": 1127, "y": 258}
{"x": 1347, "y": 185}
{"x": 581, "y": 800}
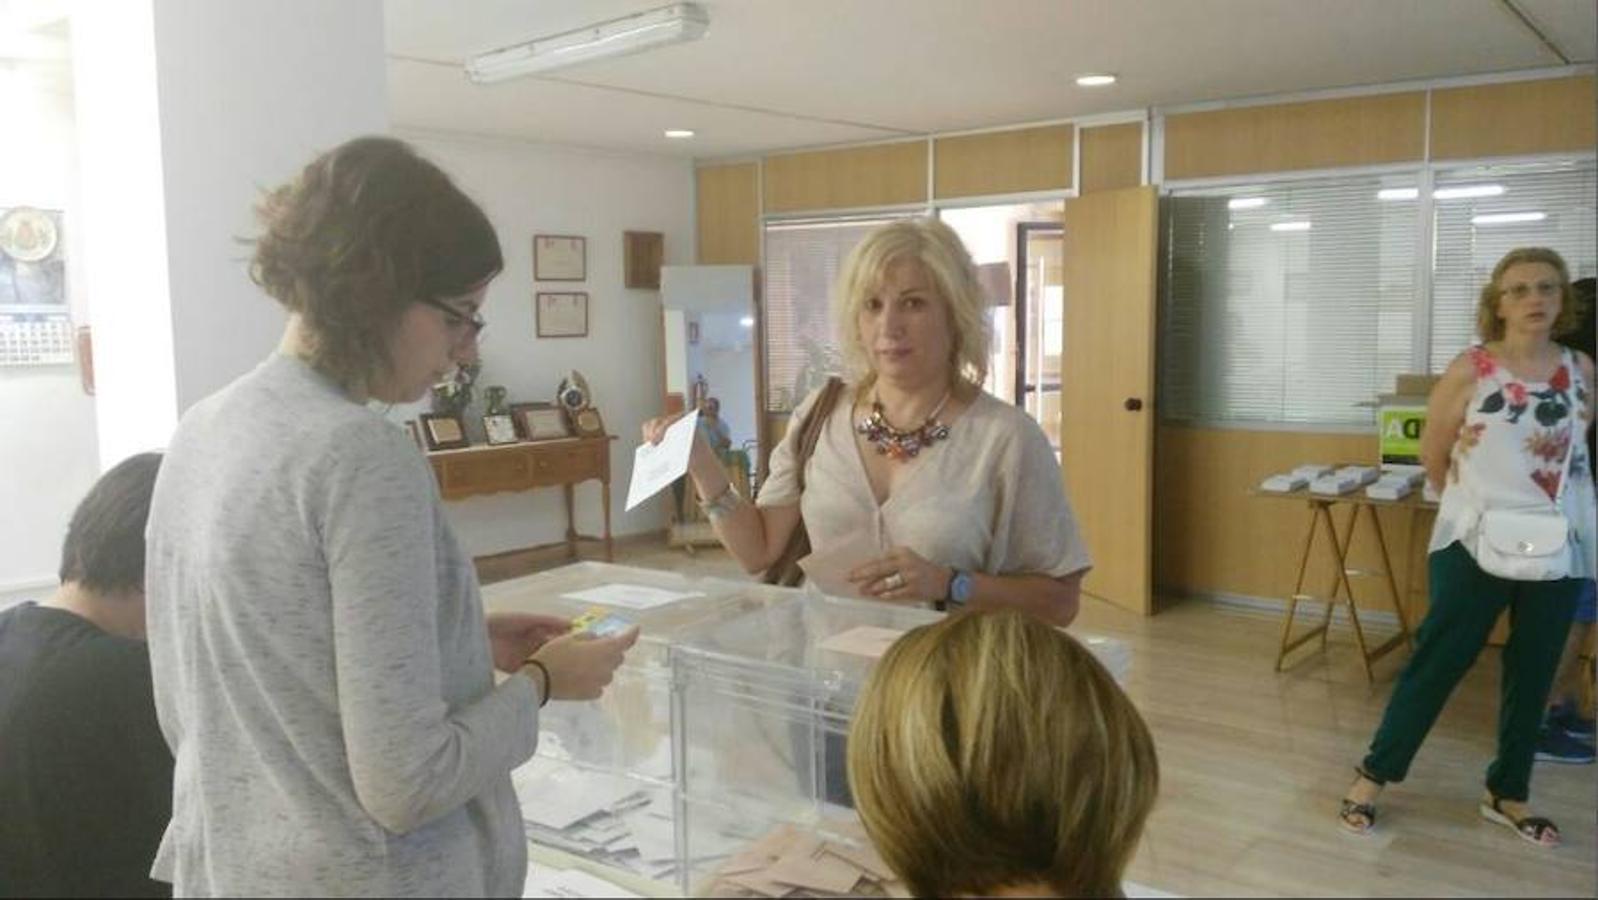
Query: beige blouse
{"x": 988, "y": 499}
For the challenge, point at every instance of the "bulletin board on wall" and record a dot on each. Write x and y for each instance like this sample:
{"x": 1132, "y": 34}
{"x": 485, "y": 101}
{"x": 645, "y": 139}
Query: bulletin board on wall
{"x": 35, "y": 323}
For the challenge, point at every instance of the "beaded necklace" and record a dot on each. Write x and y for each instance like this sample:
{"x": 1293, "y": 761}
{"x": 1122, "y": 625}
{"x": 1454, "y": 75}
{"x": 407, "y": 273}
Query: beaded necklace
{"x": 902, "y": 445}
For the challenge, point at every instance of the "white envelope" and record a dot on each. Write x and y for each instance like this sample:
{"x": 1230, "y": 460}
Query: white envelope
{"x": 656, "y": 466}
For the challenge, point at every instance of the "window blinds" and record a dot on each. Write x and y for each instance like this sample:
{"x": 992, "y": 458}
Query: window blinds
{"x": 1288, "y": 302}
{"x": 803, "y": 259}
{"x": 1483, "y": 212}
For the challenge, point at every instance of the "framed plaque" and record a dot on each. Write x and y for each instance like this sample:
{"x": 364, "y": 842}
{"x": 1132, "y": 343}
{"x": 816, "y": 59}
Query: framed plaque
{"x": 559, "y": 315}
{"x": 500, "y": 429}
{"x": 443, "y": 431}
{"x": 540, "y": 421}
{"x": 560, "y": 257}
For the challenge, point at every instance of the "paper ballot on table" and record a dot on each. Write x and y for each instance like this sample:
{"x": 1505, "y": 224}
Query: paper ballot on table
{"x": 656, "y": 466}
{"x": 828, "y": 569}
{"x": 629, "y": 596}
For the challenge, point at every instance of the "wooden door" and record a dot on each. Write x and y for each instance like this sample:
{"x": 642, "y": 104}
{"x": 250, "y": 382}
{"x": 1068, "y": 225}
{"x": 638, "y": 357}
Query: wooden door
{"x": 1107, "y": 402}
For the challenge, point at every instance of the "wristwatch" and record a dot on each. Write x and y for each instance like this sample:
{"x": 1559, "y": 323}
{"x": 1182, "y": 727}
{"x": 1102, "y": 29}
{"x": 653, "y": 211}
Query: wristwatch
{"x": 959, "y": 589}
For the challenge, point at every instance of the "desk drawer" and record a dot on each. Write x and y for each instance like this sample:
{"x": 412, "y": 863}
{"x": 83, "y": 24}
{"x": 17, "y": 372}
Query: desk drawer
{"x": 565, "y": 465}
{"x": 485, "y": 474}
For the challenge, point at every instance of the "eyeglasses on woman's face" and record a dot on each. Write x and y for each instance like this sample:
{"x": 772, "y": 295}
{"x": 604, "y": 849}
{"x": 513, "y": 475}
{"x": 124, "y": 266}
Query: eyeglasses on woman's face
{"x": 1524, "y": 289}
{"x": 459, "y": 323}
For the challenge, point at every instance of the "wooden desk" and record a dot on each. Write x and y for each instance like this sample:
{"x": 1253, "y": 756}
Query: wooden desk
{"x": 527, "y": 466}
{"x": 1342, "y": 588}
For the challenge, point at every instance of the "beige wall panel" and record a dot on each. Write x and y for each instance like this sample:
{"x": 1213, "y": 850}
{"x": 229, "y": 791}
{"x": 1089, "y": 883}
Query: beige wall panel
{"x": 878, "y": 175}
{"x": 1548, "y": 116}
{"x": 1112, "y": 157}
{"x": 1353, "y": 131}
{"x": 1212, "y": 536}
{"x": 1003, "y": 162}
{"x": 729, "y": 214}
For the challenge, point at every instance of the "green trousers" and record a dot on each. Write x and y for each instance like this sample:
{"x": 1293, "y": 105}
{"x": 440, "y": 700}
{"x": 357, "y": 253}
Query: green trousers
{"x": 1465, "y": 603}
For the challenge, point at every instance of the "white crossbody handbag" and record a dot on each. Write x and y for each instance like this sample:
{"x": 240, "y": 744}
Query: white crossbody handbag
{"x": 1529, "y": 544}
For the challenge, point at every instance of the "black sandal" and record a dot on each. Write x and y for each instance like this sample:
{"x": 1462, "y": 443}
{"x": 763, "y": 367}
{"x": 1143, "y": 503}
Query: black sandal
{"x": 1351, "y": 808}
{"x": 1531, "y": 829}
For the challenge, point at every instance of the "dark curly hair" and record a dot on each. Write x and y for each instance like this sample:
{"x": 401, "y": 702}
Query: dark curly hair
{"x": 367, "y": 229}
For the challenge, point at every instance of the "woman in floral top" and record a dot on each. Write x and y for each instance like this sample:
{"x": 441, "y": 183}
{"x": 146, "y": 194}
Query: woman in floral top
{"x": 1499, "y": 425}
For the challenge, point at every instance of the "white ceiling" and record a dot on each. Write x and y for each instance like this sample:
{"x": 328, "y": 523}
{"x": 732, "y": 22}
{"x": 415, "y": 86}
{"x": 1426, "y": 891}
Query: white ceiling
{"x": 774, "y": 74}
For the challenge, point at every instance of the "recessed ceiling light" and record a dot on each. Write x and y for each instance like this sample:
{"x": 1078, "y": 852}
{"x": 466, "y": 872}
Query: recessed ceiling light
{"x": 1300, "y": 225}
{"x": 1398, "y": 193}
{"x": 679, "y": 133}
{"x": 1246, "y": 202}
{"x": 1095, "y": 80}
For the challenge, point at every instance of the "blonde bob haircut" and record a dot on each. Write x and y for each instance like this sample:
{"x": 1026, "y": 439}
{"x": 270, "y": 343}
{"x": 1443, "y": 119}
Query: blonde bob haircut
{"x": 948, "y": 266}
{"x": 1489, "y": 327}
{"x": 993, "y": 751}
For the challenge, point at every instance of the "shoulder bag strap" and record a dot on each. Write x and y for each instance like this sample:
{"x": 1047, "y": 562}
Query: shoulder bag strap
{"x": 785, "y": 571}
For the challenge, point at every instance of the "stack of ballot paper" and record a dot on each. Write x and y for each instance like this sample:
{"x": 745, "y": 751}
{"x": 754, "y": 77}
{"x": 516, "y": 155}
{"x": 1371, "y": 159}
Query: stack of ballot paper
{"x": 1283, "y": 484}
{"x": 1361, "y": 474}
{"x": 788, "y": 862}
{"x": 609, "y": 819}
{"x": 1395, "y": 485}
{"x": 1335, "y": 483}
{"x": 1312, "y": 471}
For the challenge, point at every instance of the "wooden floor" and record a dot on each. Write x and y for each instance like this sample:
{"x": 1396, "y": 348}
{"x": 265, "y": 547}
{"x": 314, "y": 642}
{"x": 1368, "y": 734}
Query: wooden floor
{"x": 1253, "y": 764}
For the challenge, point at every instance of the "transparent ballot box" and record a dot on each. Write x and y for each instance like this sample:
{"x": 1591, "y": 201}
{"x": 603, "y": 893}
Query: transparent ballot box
{"x": 762, "y": 707}
{"x": 762, "y": 710}
{"x": 598, "y": 793}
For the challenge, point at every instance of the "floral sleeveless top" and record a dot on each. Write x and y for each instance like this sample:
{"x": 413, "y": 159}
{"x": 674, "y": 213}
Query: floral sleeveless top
{"x": 1511, "y": 449}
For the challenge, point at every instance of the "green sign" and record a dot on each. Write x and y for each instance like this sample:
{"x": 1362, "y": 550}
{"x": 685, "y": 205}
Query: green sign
{"x": 1401, "y": 426}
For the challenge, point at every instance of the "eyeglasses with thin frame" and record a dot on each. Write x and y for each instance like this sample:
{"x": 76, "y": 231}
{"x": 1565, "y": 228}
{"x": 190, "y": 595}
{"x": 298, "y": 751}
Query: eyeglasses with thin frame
{"x": 456, "y": 320}
{"x": 1522, "y": 291}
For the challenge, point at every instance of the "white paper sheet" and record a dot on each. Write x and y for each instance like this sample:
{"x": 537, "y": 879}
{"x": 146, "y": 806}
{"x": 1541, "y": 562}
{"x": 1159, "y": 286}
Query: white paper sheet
{"x": 829, "y": 569}
{"x": 543, "y": 881}
{"x": 630, "y": 596}
{"x": 656, "y": 466}
{"x": 561, "y": 799}
{"x": 653, "y": 836}
{"x": 862, "y": 640}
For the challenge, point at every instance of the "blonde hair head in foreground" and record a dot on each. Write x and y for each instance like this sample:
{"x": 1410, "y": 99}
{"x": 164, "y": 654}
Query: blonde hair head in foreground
{"x": 991, "y": 750}
{"x": 948, "y": 266}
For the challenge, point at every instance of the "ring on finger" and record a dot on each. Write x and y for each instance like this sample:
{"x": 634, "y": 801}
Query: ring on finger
{"x": 894, "y": 581}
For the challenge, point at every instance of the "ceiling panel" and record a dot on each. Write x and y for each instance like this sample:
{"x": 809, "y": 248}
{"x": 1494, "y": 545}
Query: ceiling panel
{"x": 783, "y": 73}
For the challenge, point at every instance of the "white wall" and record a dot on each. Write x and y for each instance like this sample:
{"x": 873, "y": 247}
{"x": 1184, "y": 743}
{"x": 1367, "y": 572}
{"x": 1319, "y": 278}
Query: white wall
{"x": 529, "y": 189}
{"x": 48, "y": 459}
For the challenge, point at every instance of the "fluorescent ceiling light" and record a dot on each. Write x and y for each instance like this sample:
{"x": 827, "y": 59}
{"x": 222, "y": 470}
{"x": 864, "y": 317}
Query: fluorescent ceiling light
{"x": 1291, "y": 226}
{"x": 1095, "y": 80}
{"x": 611, "y": 38}
{"x": 1246, "y": 202}
{"x": 679, "y": 133}
{"x": 1398, "y": 193}
{"x": 1469, "y": 190}
{"x": 1508, "y": 218}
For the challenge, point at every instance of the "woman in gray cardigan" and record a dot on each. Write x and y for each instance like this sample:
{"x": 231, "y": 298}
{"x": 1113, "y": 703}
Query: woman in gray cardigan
{"x": 322, "y": 668}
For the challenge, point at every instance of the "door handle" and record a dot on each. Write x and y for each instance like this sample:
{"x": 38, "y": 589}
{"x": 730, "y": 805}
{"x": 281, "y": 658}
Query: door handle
{"x": 1133, "y": 404}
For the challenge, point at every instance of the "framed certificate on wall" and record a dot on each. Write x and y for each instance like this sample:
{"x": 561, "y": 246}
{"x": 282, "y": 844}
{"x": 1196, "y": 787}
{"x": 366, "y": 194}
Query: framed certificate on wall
{"x": 560, "y": 257}
{"x": 563, "y": 314}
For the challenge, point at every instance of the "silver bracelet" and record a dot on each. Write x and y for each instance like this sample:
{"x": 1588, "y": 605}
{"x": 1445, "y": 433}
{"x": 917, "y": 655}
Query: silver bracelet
{"x": 721, "y": 504}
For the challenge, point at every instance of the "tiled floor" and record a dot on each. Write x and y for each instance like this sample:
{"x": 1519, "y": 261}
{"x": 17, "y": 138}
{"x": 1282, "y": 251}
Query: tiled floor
{"x": 1253, "y": 764}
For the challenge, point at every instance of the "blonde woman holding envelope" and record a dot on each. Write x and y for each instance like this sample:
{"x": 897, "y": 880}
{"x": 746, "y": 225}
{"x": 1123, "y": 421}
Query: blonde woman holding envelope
{"x": 955, "y": 492}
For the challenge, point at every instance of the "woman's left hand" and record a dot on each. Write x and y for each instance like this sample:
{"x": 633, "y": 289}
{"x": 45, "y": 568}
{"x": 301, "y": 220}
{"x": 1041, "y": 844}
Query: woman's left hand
{"x": 902, "y": 575}
{"x": 514, "y": 636}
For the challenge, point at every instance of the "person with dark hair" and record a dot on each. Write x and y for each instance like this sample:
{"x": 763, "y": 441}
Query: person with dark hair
{"x": 1568, "y": 729}
{"x": 322, "y": 668}
{"x": 85, "y": 776}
